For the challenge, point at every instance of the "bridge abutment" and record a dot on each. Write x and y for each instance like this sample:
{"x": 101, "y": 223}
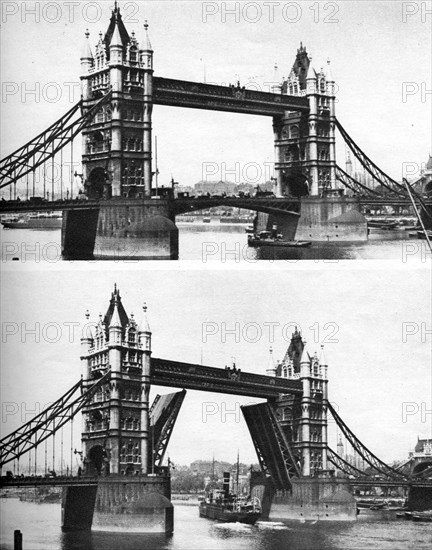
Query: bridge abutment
{"x": 140, "y": 229}
{"x": 79, "y": 234}
{"x": 419, "y": 498}
{"x": 331, "y": 219}
{"x": 139, "y": 504}
{"x": 311, "y": 498}
{"x": 78, "y": 503}
{"x": 136, "y": 505}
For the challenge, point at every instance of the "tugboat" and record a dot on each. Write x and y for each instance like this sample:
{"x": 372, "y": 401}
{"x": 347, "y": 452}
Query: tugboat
{"x": 221, "y": 505}
{"x": 265, "y": 238}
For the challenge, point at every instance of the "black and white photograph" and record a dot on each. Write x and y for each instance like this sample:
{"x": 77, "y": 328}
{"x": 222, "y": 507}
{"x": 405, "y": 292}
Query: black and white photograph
{"x": 216, "y": 283}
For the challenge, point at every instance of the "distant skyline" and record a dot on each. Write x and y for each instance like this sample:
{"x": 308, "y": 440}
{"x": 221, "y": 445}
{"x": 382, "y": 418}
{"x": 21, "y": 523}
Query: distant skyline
{"x": 374, "y": 47}
{"x": 214, "y": 315}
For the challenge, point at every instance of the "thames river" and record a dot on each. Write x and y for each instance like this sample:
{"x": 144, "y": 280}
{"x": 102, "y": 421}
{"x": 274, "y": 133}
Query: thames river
{"x": 40, "y": 525}
{"x": 226, "y": 243}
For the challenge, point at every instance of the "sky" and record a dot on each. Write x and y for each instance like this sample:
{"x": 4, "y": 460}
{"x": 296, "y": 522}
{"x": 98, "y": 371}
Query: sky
{"x": 374, "y": 324}
{"x": 377, "y": 49}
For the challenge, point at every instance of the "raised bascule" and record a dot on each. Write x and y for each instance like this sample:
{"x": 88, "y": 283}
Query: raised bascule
{"x": 123, "y": 213}
{"x": 123, "y": 484}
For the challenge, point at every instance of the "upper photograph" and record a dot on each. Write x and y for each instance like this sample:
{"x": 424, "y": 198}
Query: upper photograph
{"x": 216, "y": 131}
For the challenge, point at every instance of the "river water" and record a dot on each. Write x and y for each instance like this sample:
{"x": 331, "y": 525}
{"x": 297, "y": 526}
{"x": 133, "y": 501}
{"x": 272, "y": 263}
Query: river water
{"x": 40, "y": 526}
{"x": 225, "y": 243}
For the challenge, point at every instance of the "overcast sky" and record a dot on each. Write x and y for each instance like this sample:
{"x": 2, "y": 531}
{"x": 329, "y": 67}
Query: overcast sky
{"x": 375, "y": 47}
{"x": 358, "y": 310}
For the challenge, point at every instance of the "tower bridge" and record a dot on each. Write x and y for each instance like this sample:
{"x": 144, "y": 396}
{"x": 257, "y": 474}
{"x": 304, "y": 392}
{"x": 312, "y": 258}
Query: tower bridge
{"x": 316, "y": 199}
{"x": 122, "y": 482}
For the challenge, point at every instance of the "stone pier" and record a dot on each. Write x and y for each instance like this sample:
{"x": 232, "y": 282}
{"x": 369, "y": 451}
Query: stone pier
{"x": 138, "y": 504}
{"x": 134, "y": 229}
{"x": 311, "y": 498}
{"x": 331, "y": 219}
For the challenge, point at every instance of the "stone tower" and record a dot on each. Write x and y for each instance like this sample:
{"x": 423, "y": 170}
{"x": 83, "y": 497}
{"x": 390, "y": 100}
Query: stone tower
{"x": 305, "y": 157}
{"x": 304, "y": 419}
{"x": 117, "y": 145}
{"x": 116, "y": 421}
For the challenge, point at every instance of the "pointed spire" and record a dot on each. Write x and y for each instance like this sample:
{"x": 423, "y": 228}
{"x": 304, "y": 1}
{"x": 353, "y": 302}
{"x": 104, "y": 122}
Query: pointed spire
{"x": 116, "y": 37}
{"x": 322, "y": 359}
{"x": 144, "y": 325}
{"x": 329, "y": 74}
{"x": 115, "y": 318}
{"x": 271, "y": 367}
{"x": 307, "y": 353}
{"x": 146, "y": 43}
{"x": 87, "y": 329}
{"x": 86, "y": 52}
{"x": 276, "y": 79}
{"x": 311, "y": 71}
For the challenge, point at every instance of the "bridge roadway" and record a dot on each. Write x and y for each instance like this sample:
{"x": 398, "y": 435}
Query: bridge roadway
{"x": 68, "y": 481}
{"x": 177, "y": 374}
{"x": 184, "y": 205}
{"x": 365, "y": 482}
{"x": 39, "y": 481}
{"x": 177, "y": 206}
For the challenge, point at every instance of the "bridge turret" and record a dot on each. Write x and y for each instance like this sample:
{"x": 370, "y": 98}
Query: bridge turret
{"x": 323, "y": 369}
{"x": 87, "y": 343}
{"x": 146, "y": 56}
{"x": 311, "y": 93}
{"x": 115, "y": 331}
{"x": 331, "y": 90}
{"x": 305, "y": 377}
{"x": 271, "y": 367}
{"x": 87, "y": 64}
{"x": 276, "y": 82}
{"x": 116, "y": 49}
{"x": 144, "y": 339}
{"x": 144, "y": 333}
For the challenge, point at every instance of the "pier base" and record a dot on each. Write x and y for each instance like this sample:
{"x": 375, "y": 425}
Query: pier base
{"x": 121, "y": 229}
{"x": 78, "y": 504}
{"x": 138, "y": 505}
{"x": 313, "y": 498}
{"x": 331, "y": 219}
{"x": 419, "y": 499}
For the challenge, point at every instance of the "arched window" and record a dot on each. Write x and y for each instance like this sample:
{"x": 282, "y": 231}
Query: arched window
{"x": 322, "y": 85}
{"x": 133, "y": 55}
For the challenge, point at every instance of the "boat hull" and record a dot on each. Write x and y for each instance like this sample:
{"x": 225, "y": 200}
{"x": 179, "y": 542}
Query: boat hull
{"x": 217, "y": 512}
{"x": 258, "y": 243}
{"x": 45, "y": 224}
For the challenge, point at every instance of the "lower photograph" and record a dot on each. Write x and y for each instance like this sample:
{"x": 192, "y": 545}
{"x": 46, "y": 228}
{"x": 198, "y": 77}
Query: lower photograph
{"x": 202, "y": 409}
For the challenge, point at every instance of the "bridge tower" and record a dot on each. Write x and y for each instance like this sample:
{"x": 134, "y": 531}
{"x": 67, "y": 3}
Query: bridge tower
{"x": 304, "y": 419}
{"x": 117, "y": 156}
{"x": 117, "y": 145}
{"x": 305, "y": 143}
{"x": 116, "y": 422}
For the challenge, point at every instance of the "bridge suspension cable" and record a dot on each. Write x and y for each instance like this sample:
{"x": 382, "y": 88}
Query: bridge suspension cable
{"x": 44, "y": 146}
{"x": 47, "y": 422}
{"x": 362, "y": 450}
{"x": 381, "y": 177}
